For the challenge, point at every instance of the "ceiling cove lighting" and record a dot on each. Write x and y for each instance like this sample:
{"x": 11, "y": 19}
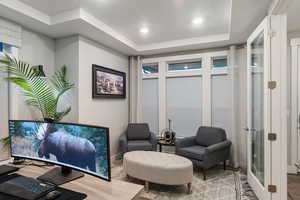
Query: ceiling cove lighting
{"x": 197, "y": 21}
{"x": 144, "y": 30}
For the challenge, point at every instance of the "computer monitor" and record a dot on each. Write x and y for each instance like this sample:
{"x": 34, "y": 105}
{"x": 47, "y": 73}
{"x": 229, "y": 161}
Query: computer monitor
{"x": 73, "y": 146}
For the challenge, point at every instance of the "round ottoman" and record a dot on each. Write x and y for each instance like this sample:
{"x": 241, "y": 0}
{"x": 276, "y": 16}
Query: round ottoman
{"x": 157, "y": 167}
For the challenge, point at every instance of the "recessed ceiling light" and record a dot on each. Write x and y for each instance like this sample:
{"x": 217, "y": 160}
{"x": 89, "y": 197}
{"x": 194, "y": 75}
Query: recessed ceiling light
{"x": 144, "y": 30}
{"x": 198, "y": 21}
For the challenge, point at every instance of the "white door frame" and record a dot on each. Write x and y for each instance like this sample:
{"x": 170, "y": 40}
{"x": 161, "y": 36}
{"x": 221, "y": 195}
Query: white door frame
{"x": 260, "y": 190}
{"x": 275, "y": 27}
{"x": 295, "y": 104}
{"x": 279, "y": 105}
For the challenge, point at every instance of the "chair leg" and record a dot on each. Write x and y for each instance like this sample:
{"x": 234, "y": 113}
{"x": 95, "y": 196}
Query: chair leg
{"x": 147, "y": 186}
{"x": 204, "y": 174}
{"x": 189, "y": 186}
{"x": 224, "y": 164}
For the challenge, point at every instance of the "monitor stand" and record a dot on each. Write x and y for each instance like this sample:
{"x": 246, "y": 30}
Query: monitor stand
{"x": 60, "y": 175}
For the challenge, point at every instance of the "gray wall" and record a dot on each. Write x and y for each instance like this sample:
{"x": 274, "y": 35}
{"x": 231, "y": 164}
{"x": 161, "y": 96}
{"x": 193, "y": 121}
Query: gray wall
{"x": 79, "y": 54}
{"x": 3, "y": 115}
{"x": 36, "y": 49}
{"x": 67, "y": 53}
{"x": 112, "y": 113}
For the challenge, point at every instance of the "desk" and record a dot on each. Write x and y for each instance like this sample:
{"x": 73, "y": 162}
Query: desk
{"x": 94, "y": 188}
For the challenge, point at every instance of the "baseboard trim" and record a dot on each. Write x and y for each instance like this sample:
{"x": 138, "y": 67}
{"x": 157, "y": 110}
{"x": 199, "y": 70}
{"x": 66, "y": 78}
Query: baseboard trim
{"x": 292, "y": 169}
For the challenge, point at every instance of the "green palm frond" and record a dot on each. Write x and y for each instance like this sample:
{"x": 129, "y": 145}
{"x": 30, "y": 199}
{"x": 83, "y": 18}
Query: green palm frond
{"x": 40, "y": 92}
{"x": 6, "y": 142}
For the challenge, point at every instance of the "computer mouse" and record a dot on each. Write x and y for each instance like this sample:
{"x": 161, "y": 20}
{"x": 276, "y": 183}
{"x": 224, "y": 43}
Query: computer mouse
{"x": 53, "y": 195}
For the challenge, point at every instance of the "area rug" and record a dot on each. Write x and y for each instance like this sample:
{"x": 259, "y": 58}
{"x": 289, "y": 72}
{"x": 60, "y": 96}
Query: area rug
{"x": 220, "y": 185}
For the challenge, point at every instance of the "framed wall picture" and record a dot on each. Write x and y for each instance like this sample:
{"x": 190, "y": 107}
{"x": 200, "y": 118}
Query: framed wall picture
{"x": 108, "y": 83}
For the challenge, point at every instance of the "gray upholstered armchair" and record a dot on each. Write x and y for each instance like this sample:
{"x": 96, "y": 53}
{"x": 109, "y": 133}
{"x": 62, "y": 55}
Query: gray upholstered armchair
{"x": 137, "y": 137}
{"x": 208, "y": 148}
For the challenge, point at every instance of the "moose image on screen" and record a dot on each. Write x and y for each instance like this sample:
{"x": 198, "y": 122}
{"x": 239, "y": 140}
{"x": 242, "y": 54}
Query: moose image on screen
{"x": 80, "y": 147}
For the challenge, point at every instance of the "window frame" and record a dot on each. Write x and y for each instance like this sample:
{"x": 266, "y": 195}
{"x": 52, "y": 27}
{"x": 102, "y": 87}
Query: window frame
{"x": 205, "y": 72}
{"x": 219, "y": 57}
{"x": 151, "y": 75}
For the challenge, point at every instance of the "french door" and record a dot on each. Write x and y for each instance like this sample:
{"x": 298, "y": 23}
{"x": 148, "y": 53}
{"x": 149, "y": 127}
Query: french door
{"x": 267, "y": 108}
{"x": 258, "y": 73}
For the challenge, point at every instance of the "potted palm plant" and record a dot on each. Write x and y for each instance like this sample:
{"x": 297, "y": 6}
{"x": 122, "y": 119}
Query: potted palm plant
{"x": 40, "y": 92}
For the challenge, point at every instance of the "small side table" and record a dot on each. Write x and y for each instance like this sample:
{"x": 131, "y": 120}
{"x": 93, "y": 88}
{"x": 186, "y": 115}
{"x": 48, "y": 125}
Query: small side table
{"x": 162, "y": 142}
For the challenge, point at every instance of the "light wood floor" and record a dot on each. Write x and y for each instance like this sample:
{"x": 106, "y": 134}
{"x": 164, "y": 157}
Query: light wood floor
{"x": 293, "y": 187}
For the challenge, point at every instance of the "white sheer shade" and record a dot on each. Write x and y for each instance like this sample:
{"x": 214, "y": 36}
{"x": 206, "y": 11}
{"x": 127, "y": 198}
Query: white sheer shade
{"x": 184, "y": 104}
{"x": 150, "y": 104}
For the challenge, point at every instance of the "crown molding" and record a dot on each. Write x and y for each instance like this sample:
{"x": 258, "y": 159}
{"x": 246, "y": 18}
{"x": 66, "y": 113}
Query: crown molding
{"x": 24, "y": 9}
{"x": 77, "y": 17}
{"x": 279, "y": 7}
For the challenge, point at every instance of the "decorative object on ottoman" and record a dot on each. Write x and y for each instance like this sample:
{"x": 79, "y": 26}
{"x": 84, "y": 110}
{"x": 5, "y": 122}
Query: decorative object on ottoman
{"x": 138, "y": 137}
{"x": 160, "y": 168}
{"x": 168, "y": 135}
{"x": 208, "y": 148}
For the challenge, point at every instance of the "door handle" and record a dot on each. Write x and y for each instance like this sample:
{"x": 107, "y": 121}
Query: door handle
{"x": 249, "y": 129}
{"x": 246, "y": 129}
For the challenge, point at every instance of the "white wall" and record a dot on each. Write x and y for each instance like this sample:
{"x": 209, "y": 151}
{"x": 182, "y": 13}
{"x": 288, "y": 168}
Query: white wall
{"x": 112, "y": 113}
{"x": 36, "y": 49}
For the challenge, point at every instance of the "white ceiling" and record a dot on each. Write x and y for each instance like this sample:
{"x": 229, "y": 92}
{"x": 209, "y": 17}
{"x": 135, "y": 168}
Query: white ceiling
{"x": 53, "y": 7}
{"x": 166, "y": 19}
{"x": 116, "y": 23}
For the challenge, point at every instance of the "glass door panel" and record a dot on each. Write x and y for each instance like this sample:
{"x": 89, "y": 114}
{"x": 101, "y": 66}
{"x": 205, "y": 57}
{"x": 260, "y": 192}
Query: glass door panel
{"x": 257, "y": 107}
{"x": 258, "y": 113}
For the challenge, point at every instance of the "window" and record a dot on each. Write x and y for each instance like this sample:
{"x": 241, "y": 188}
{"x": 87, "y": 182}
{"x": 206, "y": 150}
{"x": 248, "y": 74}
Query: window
{"x": 219, "y": 62}
{"x": 150, "y": 68}
{"x": 173, "y": 67}
{"x": 184, "y": 104}
{"x": 150, "y": 104}
{"x": 257, "y": 51}
{"x": 6, "y": 48}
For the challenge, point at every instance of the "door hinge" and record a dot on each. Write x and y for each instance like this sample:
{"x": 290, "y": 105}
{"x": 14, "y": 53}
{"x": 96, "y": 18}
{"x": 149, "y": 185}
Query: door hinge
{"x": 272, "y": 85}
{"x": 272, "y": 136}
{"x": 272, "y": 188}
{"x": 272, "y": 33}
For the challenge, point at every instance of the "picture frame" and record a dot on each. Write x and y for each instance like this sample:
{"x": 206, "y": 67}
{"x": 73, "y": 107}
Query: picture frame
{"x": 108, "y": 83}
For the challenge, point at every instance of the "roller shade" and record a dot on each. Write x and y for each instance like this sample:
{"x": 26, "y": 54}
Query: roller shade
{"x": 10, "y": 33}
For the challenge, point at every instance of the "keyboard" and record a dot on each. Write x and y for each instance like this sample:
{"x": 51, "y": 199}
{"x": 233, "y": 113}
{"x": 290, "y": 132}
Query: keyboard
{"x": 26, "y": 188}
{"x": 6, "y": 169}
